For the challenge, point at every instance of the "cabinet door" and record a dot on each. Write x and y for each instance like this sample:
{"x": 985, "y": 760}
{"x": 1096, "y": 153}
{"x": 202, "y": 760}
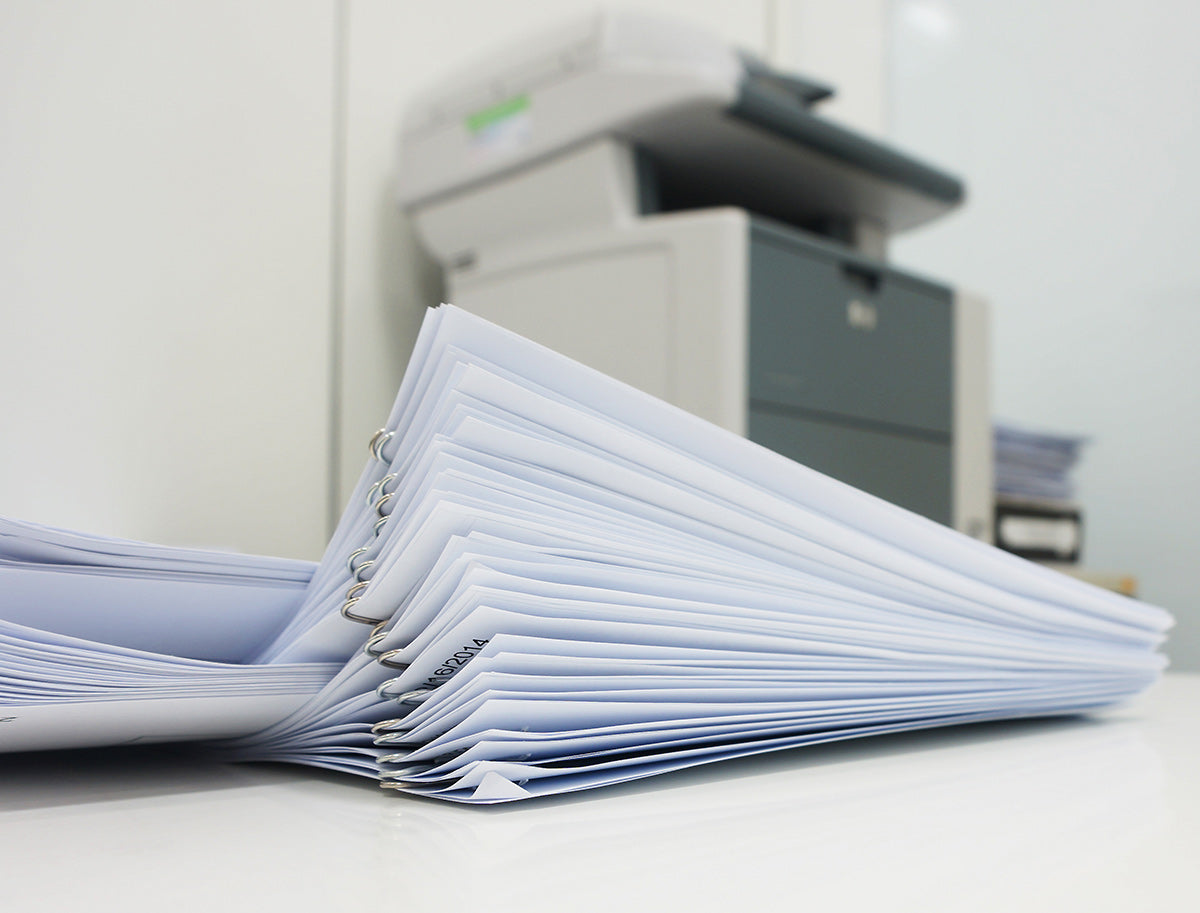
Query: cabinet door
{"x": 850, "y": 370}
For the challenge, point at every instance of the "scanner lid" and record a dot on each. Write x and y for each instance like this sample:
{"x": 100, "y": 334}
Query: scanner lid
{"x": 721, "y": 126}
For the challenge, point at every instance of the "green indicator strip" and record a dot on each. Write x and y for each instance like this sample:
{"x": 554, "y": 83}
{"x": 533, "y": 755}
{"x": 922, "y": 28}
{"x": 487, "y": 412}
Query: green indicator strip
{"x": 488, "y": 116}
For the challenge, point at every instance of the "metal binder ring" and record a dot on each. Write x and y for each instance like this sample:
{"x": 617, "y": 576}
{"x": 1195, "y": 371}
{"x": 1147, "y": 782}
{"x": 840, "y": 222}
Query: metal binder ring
{"x": 379, "y": 525}
{"x": 385, "y": 659}
{"x": 394, "y": 725}
{"x": 361, "y": 619}
{"x": 369, "y": 646}
{"x": 372, "y": 641}
{"x": 382, "y": 501}
{"x": 357, "y": 588}
{"x": 391, "y": 738}
{"x": 401, "y": 772}
{"x": 378, "y": 439}
{"x": 404, "y": 697}
{"x": 372, "y": 490}
{"x": 380, "y": 487}
{"x": 383, "y": 693}
{"x": 362, "y": 567}
{"x": 354, "y": 554}
{"x": 398, "y": 775}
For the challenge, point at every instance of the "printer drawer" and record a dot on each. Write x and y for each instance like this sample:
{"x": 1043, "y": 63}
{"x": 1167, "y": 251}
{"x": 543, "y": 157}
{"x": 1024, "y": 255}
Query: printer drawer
{"x": 906, "y": 470}
{"x": 833, "y": 334}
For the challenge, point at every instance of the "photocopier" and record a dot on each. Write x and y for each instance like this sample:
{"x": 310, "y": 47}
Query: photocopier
{"x": 635, "y": 193}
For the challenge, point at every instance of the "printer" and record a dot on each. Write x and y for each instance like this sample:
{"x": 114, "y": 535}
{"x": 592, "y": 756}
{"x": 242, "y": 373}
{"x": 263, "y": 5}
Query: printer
{"x": 635, "y": 193}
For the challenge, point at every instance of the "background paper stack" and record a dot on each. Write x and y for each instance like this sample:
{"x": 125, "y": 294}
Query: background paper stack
{"x": 1037, "y": 515}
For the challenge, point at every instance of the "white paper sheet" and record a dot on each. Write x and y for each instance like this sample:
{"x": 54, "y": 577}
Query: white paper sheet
{"x": 568, "y": 584}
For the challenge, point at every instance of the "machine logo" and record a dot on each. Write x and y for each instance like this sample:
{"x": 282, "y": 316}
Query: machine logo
{"x": 861, "y": 315}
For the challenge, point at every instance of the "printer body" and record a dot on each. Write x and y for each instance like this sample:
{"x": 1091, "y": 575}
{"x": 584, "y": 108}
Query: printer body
{"x": 640, "y": 197}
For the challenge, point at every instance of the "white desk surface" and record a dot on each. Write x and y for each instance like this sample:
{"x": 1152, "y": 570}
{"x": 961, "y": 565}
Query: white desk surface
{"x": 1062, "y": 815}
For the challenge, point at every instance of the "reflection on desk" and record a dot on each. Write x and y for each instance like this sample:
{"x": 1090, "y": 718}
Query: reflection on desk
{"x": 1074, "y": 814}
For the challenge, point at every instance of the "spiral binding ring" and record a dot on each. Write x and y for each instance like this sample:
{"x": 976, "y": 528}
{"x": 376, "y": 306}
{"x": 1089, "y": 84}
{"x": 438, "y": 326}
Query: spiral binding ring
{"x": 385, "y": 659}
{"x": 358, "y": 573}
{"x": 354, "y": 554}
{"x": 382, "y": 691}
{"x": 413, "y": 697}
{"x": 387, "y": 726}
{"x": 400, "y": 775}
{"x": 357, "y": 588}
{"x": 378, "y": 505}
{"x": 377, "y": 633}
{"x": 392, "y": 738}
{"x": 361, "y": 619}
{"x": 372, "y": 641}
{"x": 378, "y": 493}
{"x": 404, "y": 697}
{"x": 379, "y": 487}
{"x": 375, "y": 486}
{"x": 378, "y": 439}
{"x": 369, "y": 646}
{"x": 395, "y": 759}
{"x": 382, "y": 501}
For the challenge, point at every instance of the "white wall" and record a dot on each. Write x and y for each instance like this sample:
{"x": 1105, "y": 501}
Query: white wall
{"x": 164, "y": 268}
{"x": 208, "y": 295}
{"x": 845, "y": 44}
{"x": 1075, "y": 126}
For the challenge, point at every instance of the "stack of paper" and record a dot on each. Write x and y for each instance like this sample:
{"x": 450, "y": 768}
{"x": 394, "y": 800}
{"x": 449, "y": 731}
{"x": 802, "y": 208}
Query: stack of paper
{"x": 105, "y": 641}
{"x": 561, "y": 582}
{"x": 1036, "y": 516}
{"x": 1035, "y": 464}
